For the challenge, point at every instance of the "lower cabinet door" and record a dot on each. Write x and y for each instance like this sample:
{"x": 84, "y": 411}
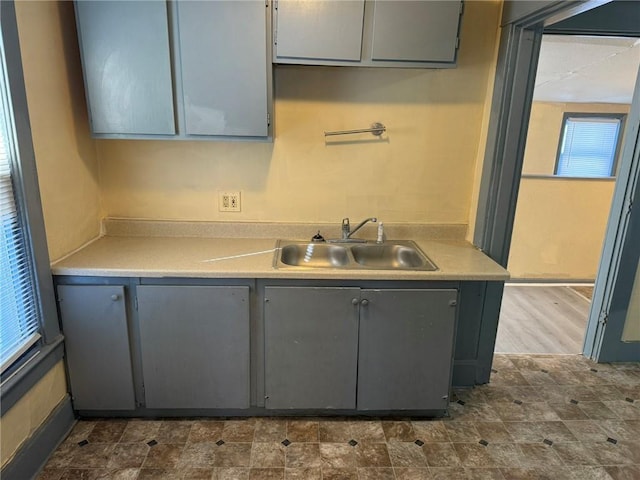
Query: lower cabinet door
{"x": 405, "y": 349}
{"x": 195, "y": 346}
{"x": 94, "y": 324}
{"x": 311, "y": 344}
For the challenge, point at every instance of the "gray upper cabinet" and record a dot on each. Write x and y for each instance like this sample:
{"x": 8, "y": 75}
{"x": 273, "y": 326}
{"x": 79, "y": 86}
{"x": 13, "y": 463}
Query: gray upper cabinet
{"x": 177, "y": 70}
{"x": 125, "y": 56}
{"x": 406, "y": 349}
{"x": 195, "y": 346}
{"x": 95, "y": 328}
{"x": 369, "y": 33}
{"x": 224, "y": 67}
{"x": 321, "y": 29}
{"x": 415, "y": 31}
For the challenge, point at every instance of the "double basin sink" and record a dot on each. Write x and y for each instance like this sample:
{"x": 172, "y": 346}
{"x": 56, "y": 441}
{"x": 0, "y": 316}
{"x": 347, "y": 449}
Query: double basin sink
{"x": 390, "y": 255}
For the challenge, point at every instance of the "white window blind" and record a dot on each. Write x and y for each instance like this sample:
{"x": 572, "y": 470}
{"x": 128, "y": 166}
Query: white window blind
{"x": 19, "y": 324}
{"x": 588, "y": 147}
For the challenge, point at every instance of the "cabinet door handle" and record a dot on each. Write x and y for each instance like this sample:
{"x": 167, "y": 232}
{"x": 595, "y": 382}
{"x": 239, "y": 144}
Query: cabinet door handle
{"x": 115, "y": 297}
{"x": 355, "y": 301}
{"x": 364, "y": 302}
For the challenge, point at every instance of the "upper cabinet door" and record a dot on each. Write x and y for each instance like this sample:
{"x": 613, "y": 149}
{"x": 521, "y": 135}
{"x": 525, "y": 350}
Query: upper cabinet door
{"x": 319, "y": 29}
{"x": 415, "y": 31}
{"x": 223, "y": 63}
{"x": 126, "y": 61}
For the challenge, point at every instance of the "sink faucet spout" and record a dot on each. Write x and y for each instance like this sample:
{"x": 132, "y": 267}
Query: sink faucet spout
{"x": 346, "y": 227}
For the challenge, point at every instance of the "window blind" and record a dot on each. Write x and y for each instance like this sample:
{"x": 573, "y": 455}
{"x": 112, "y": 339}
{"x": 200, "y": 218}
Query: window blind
{"x": 588, "y": 147}
{"x": 19, "y": 326}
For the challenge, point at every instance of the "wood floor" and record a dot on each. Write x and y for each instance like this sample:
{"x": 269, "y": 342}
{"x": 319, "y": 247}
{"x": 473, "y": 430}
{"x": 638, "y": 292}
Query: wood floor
{"x": 543, "y": 319}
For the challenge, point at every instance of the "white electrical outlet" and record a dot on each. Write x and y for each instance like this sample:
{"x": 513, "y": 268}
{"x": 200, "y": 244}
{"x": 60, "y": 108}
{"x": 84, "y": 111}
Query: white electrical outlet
{"x": 229, "y": 202}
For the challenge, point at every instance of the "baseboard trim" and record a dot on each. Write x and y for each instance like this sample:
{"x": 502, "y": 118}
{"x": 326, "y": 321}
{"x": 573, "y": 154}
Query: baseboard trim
{"x": 33, "y": 455}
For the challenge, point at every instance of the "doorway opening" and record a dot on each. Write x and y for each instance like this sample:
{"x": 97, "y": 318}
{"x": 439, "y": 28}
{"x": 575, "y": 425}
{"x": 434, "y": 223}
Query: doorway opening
{"x": 583, "y": 92}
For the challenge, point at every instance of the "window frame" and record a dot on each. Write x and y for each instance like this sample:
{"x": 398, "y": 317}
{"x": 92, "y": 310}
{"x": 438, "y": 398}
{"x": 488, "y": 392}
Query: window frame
{"x": 614, "y": 166}
{"x": 48, "y": 351}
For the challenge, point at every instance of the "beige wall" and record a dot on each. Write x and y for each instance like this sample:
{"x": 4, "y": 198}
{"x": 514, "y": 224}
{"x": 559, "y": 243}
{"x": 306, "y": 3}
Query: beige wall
{"x": 559, "y": 223}
{"x": 24, "y": 418}
{"x": 67, "y": 171}
{"x": 65, "y": 153}
{"x": 631, "y": 332}
{"x": 423, "y": 172}
{"x": 545, "y": 125}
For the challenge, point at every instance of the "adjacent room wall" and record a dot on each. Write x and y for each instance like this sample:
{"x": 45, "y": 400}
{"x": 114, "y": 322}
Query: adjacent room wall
{"x": 421, "y": 172}
{"x": 631, "y": 332}
{"x": 559, "y": 223}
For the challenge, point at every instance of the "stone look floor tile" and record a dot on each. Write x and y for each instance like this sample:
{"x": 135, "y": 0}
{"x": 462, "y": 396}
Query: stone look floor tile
{"x": 267, "y": 455}
{"x": 331, "y": 431}
{"x": 407, "y": 454}
{"x": 128, "y": 455}
{"x": 430, "y": 431}
{"x": 367, "y": 431}
{"x": 163, "y": 455}
{"x": 372, "y": 455}
{"x": 303, "y": 455}
{"x": 441, "y": 455}
{"x": 378, "y": 474}
{"x": 302, "y": 431}
{"x": 270, "y": 430}
{"x": 308, "y": 473}
{"x": 329, "y": 473}
{"x": 401, "y": 431}
{"x": 266, "y": 474}
{"x": 233, "y": 455}
{"x": 558, "y": 399}
{"x": 239, "y": 430}
{"x": 205, "y": 431}
{"x": 337, "y": 455}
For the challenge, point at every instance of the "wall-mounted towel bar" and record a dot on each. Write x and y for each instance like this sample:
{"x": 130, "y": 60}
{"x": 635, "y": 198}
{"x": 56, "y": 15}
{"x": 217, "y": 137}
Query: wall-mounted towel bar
{"x": 376, "y": 129}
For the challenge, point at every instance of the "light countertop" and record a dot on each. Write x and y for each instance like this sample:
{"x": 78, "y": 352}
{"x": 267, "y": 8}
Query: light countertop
{"x": 156, "y": 249}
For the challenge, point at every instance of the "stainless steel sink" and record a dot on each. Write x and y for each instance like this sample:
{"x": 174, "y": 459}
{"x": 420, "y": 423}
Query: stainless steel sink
{"x": 316, "y": 255}
{"x": 390, "y": 255}
{"x": 393, "y": 256}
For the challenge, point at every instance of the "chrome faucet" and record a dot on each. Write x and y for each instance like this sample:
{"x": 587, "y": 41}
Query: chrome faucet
{"x": 346, "y": 227}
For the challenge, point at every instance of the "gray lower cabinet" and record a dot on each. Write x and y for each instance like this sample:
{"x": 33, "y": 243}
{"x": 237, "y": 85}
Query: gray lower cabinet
{"x": 348, "y": 348}
{"x": 194, "y": 346}
{"x": 311, "y": 338}
{"x": 405, "y": 349}
{"x": 94, "y": 323}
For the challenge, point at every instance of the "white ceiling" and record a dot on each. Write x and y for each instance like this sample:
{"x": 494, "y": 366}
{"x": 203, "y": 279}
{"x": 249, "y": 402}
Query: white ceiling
{"x": 587, "y": 69}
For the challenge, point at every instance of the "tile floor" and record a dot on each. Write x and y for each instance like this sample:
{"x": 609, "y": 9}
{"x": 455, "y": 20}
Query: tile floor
{"x": 541, "y": 417}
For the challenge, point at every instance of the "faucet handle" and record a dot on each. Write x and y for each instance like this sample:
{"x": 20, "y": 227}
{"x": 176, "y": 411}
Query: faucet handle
{"x": 345, "y": 222}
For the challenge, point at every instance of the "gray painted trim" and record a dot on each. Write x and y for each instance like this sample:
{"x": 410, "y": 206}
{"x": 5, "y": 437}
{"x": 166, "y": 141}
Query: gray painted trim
{"x": 35, "y": 367}
{"x": 537, "y": 176}
{"x": 33, "y": 455}
{"x": 26, "y": 183}
{"x": 616, "y": 271}
{"x": 511, "y": 107}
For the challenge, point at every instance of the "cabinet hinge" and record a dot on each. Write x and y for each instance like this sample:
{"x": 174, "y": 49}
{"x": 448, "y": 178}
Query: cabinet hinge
{"x": 268, "y": 120}
{"x": 275, "y": 4}
{"x": 457, "y": 43}
{"x": 453, "y": 303}
{"x": 461, "y": 7}
{"x": 604, "y": 318}
{"x": 136, "y": 303}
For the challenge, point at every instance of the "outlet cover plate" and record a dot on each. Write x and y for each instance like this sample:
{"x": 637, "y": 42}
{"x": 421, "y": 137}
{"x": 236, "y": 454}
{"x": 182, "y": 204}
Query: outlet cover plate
{"x": 229, "y": 201}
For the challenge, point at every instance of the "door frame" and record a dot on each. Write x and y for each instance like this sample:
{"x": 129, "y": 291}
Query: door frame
{"x": 519, "y": 49}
